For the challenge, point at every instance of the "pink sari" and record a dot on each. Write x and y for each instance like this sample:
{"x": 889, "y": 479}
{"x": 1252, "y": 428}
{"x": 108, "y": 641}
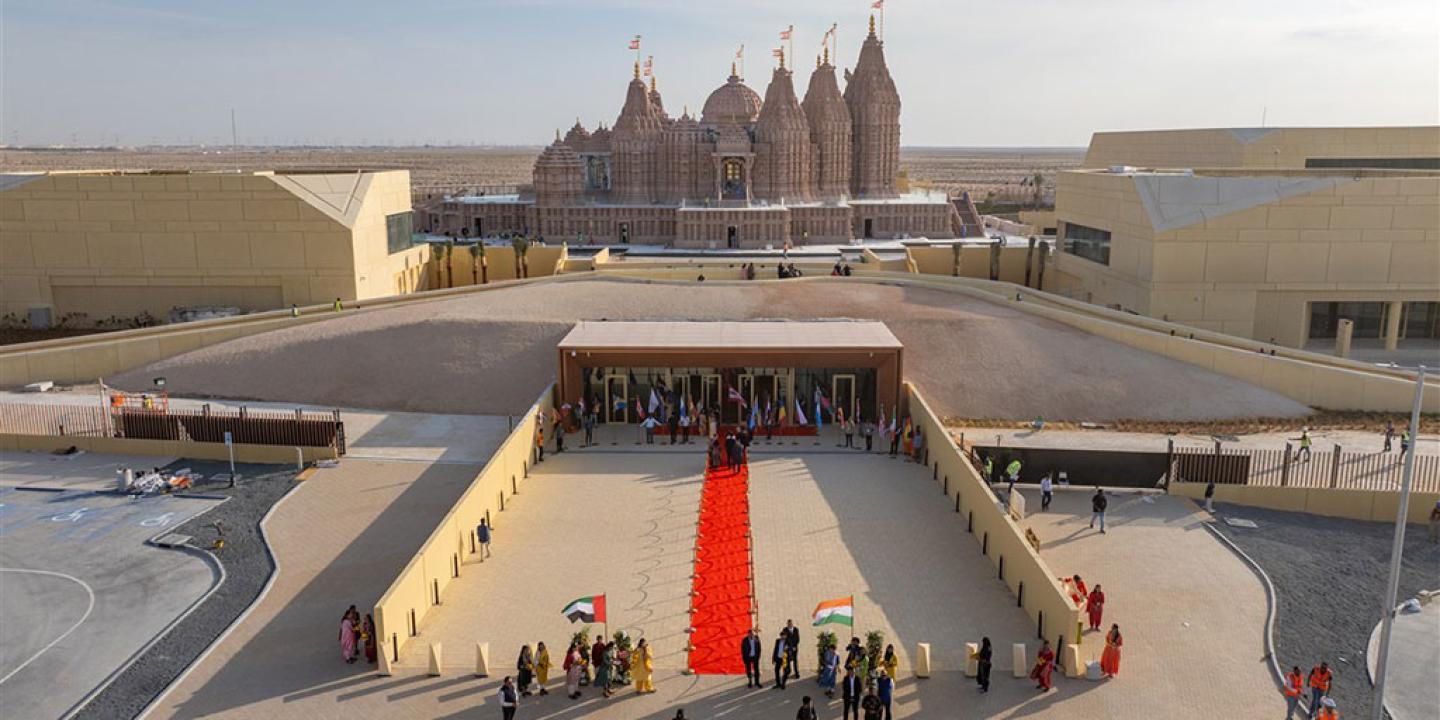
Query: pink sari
{"x": 347, "y": 640}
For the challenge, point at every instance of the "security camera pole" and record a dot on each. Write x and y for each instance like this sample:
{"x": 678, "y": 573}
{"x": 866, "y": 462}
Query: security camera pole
{"x": 1393, "y": 588}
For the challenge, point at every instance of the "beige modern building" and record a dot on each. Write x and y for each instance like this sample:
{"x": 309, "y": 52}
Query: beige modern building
{"x": 99, "y": 245}
{"x": 1406, "y": 148}
{"x": 1274, "y": 255}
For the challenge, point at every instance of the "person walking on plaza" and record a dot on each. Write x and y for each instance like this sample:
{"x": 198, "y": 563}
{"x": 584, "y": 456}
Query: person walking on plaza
{"x": 891, "y": 663}
{"x": 1404, "y": 441}
{"x": 885, "y": 690}
{"x": 806, "y": 711}
{"x": 777, "y": 656}
{"x": 347, "y": 636}
{"x": 1110, "y": 657}
{"x": 849, "y": 427}
{"x": 1012, "y": 471}
{"x": 559, "y": 431}
{"x": 1304, "y": 445}
{"x": 829, "y": 670}
{"x": 650, "y": 424}
{"x": 482, "y": 534}
{"x": 1294, "y": 687}
{"x": 894, "y": 435}
{"x": 850, "y": 693}
{"x": 339, "y": 305}
{"x": 1210, "y": 496}
{"x": 590, "y": 427}
{"x": 919, "y": 442}
{"x": 1098, "y": 503}
{"x": 542, "y": 667}
{"x": 685, "y": 429}
{"x": 540, "y": 440}
{"x": 750, "y": 655}
{"x": 574, "y": 669}
{"x": 1319, "y": 682}
{"x": 1389, "y": 434}
{"x": 1095, "y": 607}
{"x": 792, "y": 648}
{"x": 525, "y": 669}
{"x": 1044, "y": 667}
{"x": 868, "y": 429}
{"x": 1327, "y": 709}
{"x": 509, "y": 698}
{"x": 983, "y": 658}
{"x": 642, "y": 667}
{"x": 674, "y": 424}
{"x": 1047, "y": 491}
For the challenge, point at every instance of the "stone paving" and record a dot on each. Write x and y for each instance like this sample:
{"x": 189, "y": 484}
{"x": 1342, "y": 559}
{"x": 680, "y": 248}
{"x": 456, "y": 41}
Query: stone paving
{"x": 828, "y": 522}
{"x": 1348, "y": 440}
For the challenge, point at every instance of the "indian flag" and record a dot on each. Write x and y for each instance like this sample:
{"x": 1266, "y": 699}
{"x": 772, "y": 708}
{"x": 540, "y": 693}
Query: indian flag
{"x": 586, "y": 609}
{"x": 840, "y": 611}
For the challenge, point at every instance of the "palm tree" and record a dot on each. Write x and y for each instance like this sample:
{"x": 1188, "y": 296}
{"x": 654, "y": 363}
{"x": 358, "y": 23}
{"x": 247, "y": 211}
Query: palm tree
{"x": 477, "y": 263}
{"x": 438, "y": 251}
{"x": 521, "y": 246}
{"x": 1037, "y": 181}
{"x": 449, "y": 271}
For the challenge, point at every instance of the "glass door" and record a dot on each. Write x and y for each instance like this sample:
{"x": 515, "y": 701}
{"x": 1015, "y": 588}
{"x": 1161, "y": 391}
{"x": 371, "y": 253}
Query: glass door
{"x": 710, "y": 392}
{"x": 617, "y": 404}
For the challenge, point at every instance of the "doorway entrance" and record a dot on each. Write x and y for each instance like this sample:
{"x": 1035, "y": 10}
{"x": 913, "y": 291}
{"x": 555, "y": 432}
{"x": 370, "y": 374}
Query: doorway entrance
{"x": 732, "y": 237}
{"x": 617, "y": 402}
{"x": 479, "y": 227}
{"x": 842, "y": 389}
{"x": 869, "y": 227}
{"x": 710, "y": 393}
{"x": 624, "y": 233}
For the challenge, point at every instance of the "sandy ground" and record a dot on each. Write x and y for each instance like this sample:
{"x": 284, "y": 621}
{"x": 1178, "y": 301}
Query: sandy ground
{"x": 491, "y": 353}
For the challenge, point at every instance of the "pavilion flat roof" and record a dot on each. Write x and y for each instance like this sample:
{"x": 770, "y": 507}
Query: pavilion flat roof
{"x": 797, "y": 335}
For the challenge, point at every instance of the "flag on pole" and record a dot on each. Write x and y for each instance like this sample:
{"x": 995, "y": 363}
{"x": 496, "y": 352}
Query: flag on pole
{"x": 586, "y": 609}
{"x": 649, "y": 65}
{"x": 618, "y": 403}
{"x": 740, "y": 54}
{"x": 799, "y": 414}
{"x": 635, "y": 43}
{"x": 639, "y": 409}
{"x": 840, "y": 611}
{"x": 877, "y": 5}
{"x": 781, "y": 416}
{"x": 777, "y": 52}
{"x": 754, "y": 416}
{"x": 735, "y": 396}
{"x": 882, "y": 419}
{"x": 787, "y": 32}
{"x": 654, "y": 401}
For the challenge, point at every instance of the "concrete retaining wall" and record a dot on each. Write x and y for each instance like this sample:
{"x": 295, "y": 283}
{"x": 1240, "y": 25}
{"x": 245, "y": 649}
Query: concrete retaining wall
{"x": 1354, "y": 504}
{"x": 269, "y": 454}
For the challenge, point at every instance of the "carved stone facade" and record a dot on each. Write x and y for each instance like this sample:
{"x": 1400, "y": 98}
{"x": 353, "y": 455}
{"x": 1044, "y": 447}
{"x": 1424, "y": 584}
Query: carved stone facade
{"x": 748, "y": 173}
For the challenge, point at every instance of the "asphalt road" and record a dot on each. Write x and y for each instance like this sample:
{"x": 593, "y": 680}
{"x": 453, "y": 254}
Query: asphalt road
{"x": 81, "y": 592}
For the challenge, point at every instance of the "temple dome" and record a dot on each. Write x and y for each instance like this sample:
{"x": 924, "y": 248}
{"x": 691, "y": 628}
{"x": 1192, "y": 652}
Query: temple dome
{"x": 733, "y": 103}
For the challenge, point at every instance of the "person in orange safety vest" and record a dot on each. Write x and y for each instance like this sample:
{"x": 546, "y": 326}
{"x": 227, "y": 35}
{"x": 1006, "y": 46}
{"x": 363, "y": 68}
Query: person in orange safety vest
{"x": 1294, "y": 688}
{"x": 1327, "y": 709}
{"x": 1319, "y": 683}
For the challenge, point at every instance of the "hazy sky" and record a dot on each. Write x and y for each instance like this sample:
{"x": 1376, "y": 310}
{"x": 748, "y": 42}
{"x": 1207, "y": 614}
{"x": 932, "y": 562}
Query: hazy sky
{"x": 1033, "y": 72}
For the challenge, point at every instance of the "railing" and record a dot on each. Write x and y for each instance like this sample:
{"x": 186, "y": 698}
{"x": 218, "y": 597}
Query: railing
{"x": 443, "y": 556}
{"x": 244, "y": 426}
{"x": 1333, "y": 469}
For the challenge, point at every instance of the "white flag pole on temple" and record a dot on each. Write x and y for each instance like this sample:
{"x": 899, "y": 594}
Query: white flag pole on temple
{"x": 1396, "y": 550}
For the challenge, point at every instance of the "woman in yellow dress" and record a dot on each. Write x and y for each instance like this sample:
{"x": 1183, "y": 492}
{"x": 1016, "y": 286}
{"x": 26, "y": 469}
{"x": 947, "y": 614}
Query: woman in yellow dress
{"x": 542, "y": 667}
{"x": 641, "y": 667}
{"x": 891, "y": 663}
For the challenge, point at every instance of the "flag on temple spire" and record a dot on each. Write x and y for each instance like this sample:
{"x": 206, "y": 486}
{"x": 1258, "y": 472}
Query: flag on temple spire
{"x": 787, "y": 32}
{"x": 877, "y": 5}
{"x": 740, "y": 54}
{"x": 635, "y": 43}
{"x": 777, "y": 52}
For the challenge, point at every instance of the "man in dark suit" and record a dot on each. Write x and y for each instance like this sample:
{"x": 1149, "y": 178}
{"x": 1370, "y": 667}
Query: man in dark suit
{"x": 851, "y": 691}
{"x": 792, "y": 648}
{"x": 750, "y": 655}
{"x": 782, "y": 671}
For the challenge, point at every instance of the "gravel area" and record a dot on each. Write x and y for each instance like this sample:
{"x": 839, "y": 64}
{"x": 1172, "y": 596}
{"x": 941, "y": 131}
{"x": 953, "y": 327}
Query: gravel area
{"x": 247, "y": 565}
{"x": 491, "y": 353}
{"x": 1329, "y": 576}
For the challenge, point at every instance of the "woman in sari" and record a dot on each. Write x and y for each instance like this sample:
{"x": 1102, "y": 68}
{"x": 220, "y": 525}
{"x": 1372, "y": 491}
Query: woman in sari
{"x": 641, "y": 667}
{"x": 1044, "y": 666}
{"x": 1110, "y": 658}
{"x": 542, "y": 667}
{"x": 1095, "y": 606}
{"x": 890, "y": 663}
{"x": 829, "y": 668}
{"x": 525, "y": 668}
{"x": 602, "y": 669}
{"x": 347, "y": 638}
{"x": 371, "y": 644}
{"x": 574, "y": 668}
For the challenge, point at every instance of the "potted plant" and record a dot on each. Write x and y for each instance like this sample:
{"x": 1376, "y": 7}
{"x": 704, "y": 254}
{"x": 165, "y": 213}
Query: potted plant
{"x": 622, "y": 656}
{"x": 874, "y": 645}
{"x": 581, "y": 640}
{"x": 521, "y": 246}
{"x": 478, "y": 265}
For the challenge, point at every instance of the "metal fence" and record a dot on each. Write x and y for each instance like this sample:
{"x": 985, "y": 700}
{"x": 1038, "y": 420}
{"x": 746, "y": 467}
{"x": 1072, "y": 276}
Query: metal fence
{"x": 245, "y": 426}
{"x": 1290, "y": 467}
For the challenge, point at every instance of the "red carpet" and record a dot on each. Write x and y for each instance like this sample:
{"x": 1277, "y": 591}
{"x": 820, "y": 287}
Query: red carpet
{"x": 780, "y": 430}
{"x": 723, "y": 588}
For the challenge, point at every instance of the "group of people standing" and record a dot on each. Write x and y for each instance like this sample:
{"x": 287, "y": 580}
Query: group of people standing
{"x": 606, "y": 665}
{"x": 357, "y": 635}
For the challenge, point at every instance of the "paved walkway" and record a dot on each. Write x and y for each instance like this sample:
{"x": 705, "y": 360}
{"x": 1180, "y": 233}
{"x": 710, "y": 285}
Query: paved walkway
{"x": 1349, "y": 440}
{"x": 339, "y": 540}
{"x": 1410, "y": 690}
{"x": 81, "y": 471}
{"x": 1184, "y": 602}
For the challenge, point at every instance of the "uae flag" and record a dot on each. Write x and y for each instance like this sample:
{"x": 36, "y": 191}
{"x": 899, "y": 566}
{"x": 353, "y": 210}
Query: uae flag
{"x": 840, "y": 611}
{"x": 586, "y": 609}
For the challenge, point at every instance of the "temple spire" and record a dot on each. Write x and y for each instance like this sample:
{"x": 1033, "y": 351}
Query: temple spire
{"x": 652, "y": 83}
{"x": 872, "y": 25}
{"x": 637, "y": 69}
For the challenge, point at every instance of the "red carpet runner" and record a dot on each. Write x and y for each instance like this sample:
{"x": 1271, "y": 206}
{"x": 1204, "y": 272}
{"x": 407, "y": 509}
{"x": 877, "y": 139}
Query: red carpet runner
{"x": 722, "y": 588}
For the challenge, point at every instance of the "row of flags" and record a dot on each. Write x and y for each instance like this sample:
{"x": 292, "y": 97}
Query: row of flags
{"x": 787, "y": 35}
{"x": 840, "y": 611}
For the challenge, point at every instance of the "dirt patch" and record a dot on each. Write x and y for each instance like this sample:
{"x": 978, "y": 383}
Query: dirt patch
{"x": 491, "y": 353}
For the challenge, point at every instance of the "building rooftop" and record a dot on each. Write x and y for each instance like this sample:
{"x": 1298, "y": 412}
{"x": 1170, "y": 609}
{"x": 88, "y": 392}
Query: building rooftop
{"x": 753, "y": 335}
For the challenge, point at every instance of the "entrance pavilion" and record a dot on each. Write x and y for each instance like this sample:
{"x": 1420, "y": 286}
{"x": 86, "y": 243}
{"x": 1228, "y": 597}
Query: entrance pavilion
{"x": 627, "y": 367}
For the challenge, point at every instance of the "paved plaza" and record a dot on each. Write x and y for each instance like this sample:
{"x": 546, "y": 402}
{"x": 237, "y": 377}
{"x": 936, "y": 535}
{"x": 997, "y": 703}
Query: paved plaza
{"x": 828, "y": 522}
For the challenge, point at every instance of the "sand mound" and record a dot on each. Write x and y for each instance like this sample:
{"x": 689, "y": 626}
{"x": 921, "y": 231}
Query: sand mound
{"x": 492, "y": 353}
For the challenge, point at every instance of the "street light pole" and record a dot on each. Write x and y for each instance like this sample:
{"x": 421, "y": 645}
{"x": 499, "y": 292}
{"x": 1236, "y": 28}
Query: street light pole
{"x": 1388, "y": 618}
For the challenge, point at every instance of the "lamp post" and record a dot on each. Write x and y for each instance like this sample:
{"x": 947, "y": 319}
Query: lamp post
{"x": 1393, "y": 587}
